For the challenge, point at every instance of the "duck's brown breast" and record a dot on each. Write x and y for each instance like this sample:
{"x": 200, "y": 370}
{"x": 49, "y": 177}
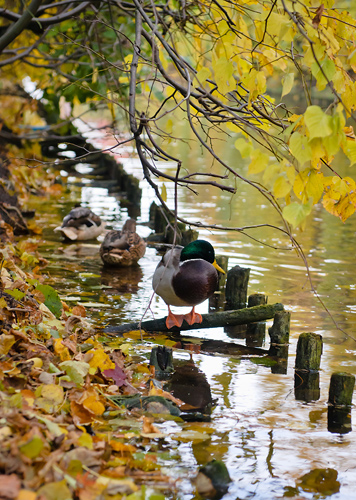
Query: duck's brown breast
{"x": 195, "y": 281}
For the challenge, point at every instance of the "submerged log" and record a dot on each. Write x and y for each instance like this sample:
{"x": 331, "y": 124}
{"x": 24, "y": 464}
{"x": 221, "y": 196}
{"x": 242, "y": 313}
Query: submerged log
{"x": 221, "y": 318}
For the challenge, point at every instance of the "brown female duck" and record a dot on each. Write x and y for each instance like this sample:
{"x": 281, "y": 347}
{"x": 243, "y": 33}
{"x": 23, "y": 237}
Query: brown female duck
{"x": 123, "y": 247}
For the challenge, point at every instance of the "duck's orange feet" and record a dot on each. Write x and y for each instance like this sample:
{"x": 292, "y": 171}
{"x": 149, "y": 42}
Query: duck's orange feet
{"x": 174, "y": 319}
{"x": 193, "y": 317}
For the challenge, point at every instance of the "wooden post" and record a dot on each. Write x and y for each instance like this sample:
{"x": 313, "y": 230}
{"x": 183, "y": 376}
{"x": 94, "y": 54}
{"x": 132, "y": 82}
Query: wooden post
{"x": 341, "y": 389}
{"x": 161, "y": 362}
{"x": 309, "y": 350}
{"x": 340, "y": 401}
{"x": 279, "y": 337}
{"x": 236, "y": 287}
{"x": 255, "y": 332}
{"x": 339, "y": 419}
{"x": 279, "y": 331}
{"x": 280, "y": 354}
{"x": 216, "y": 302}
{"x": 306, "y": 386}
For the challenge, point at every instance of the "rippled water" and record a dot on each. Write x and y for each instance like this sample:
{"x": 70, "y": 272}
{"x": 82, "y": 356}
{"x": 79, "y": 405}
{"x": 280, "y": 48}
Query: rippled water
{"x": 265, "y": 436}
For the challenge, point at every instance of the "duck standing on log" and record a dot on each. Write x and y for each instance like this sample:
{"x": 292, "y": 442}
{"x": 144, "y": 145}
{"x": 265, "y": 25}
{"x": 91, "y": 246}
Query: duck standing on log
{"x": 186, "y": 277}
{"x": 124, "y": 247}
{"x": 81, "y": 224}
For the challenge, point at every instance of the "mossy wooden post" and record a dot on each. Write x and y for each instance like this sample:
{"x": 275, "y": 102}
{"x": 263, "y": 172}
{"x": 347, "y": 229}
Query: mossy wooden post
{"x": 307, "y": 365}
{"x": 341, "y": 389}
{"x": 216, "y": 302}
{"x": 236, "y": 287}
{"x": 213, "y": 479}
{"x": 255, "y": 332}
{"x": 236, "y": 297}
{"x": 279, "y": 331}
{"x": 340, "y": 400}
{"x": 162, "y": 222}
{"x": 309, "y": 350}
{"x": 279, "y": 339}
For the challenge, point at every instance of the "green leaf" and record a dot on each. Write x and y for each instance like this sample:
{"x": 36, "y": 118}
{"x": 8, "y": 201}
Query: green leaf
{"x": 295, "y": 213}
{"x": 244, "y": 147}
{"x": 17, "y": 294}
{"x": 76, "y": 370}
{"x": 300, "y": 148}
{"x": 318, "y": 122}
{"x": 52, "y": 300}
{"x": 327, "y": 67}
{"x": 55, "y": 491}
{"x": 33, "y": 448}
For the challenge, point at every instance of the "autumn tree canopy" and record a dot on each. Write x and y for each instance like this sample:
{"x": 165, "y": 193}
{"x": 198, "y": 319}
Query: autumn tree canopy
{"x": 227, "y": 65}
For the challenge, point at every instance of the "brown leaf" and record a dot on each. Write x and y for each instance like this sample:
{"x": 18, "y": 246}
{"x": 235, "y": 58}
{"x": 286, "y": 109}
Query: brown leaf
{"x": 79, "y": 311}
{"x": 81, "y": 416}
{"x": 317, "y": 18}
{"x": 10, "y": 487}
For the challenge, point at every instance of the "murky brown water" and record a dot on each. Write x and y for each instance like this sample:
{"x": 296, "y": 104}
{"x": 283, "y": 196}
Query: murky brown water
{"x": 267, "y": 438}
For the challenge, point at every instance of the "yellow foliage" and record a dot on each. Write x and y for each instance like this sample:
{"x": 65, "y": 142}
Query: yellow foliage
{"x": 61, "y": 350}
{"x": 99, "y": 360}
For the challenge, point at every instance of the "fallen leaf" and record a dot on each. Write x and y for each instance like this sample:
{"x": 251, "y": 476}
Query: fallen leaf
{"x": 76, "y": 370}
{"x": 6, "y": 342}
{"x": 93, "y": 405}
{"x": 55, "y": 491}
{"x": 117, "y": 374}
{"x": 99, "y": 360}
{"x": 10, "y": 487}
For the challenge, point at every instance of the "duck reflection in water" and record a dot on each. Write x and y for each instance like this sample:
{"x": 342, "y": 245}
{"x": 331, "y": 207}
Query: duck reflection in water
{"x": 190, "y": 384}
{"x": 121, "y": 280}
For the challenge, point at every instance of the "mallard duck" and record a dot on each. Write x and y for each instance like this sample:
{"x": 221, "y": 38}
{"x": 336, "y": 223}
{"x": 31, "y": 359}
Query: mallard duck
{"x": 186, "y": 277}
{"x": 81, "y": 224}
{"x": 123, "y": 248}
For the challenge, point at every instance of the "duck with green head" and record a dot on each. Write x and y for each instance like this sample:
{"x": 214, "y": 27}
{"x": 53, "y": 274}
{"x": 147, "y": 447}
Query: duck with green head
{"x": 186, "y": 277}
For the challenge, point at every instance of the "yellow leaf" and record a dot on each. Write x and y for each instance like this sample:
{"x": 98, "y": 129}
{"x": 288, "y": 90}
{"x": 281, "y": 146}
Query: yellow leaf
{"x": 122, "y": 447}
{"x": 86, "y": 441}
{"x": 317, "y": 122}
{"x": 94, "y": 405}
{"x": 99, "y": 360}
{"x": 6, "y": 342}
{"x": 164, "y": 192}
{"x": 26, "y": 495}
{"x": 244, "y": 147}
{"x": 287, "y": 82}
{"x": 281, "y": 187}
{"x": 61, "y": 350}
{"x": 350, "y": 151}
{"x": 53, "y": 393}
{"x": 300, "y": 148}
{"x": 203, "y": 74}
{"x": 223, "y": 71}
{"x": 259, "y": 162}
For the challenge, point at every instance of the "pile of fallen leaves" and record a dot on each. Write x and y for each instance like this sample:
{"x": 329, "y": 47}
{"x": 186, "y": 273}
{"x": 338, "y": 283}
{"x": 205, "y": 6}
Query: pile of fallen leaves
{"x": 63, "y": 434}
